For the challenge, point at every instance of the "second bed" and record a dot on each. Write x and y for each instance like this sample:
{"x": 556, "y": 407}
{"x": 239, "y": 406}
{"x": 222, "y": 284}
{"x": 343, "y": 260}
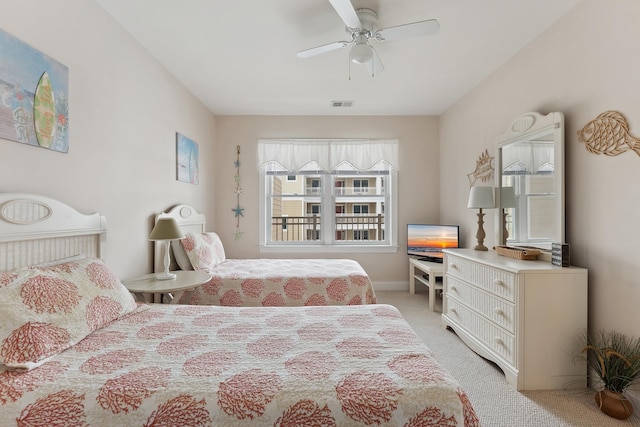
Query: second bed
{"x": 261, "y": 281}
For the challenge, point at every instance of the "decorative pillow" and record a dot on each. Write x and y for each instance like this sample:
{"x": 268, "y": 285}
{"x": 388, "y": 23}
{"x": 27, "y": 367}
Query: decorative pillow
{"x": 204, "y": 250}
{"x": 180, "y": 255}
{"x": 47, "y": 309}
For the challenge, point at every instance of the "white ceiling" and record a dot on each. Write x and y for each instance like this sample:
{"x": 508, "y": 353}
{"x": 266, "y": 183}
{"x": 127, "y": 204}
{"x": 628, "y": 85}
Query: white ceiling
{"x": 239, "y": 56}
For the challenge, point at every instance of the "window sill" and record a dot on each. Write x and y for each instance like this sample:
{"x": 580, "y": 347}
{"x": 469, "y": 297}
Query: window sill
{"x": 328, "y": 249}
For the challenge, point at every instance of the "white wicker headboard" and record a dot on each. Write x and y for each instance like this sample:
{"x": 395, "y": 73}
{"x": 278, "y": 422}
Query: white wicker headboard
{"x": 36, "y": 229}
{"x": 189, "y": 220}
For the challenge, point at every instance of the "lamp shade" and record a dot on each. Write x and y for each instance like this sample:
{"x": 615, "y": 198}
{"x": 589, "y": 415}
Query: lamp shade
{"x": 166, "y": 229}
{"x": 481, "y": 198}
{"x": 507, "y": 197}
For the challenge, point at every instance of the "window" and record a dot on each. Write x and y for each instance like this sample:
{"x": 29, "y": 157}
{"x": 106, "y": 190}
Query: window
{"x": 313, "y": 208}
{"x": 360, "y": 185}
{"x": 314, "y": 186}
{"x": 360, "y": 235}
{"x": 360, "y": 209}
{"x": 335, "y": 204}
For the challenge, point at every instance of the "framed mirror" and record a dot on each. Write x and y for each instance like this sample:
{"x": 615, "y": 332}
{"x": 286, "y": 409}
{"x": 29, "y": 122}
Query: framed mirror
{"x": 530, "y": 182}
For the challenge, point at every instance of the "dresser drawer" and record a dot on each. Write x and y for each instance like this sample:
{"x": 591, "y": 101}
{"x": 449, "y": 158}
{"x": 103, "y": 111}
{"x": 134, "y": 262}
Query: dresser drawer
{"x": 499, "y": 341}
{"x": 496, "y": 309}
{"x": 491, "y": 279}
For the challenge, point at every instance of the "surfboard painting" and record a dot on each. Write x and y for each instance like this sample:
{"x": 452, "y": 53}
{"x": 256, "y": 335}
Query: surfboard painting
{"x": 44, "y": 110}
{"x": 34, "y": 93}
{"x": 187, "y": 158}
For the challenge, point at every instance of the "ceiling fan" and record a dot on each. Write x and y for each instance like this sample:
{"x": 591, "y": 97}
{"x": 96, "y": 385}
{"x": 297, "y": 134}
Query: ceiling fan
{"x": 361, "y": 26}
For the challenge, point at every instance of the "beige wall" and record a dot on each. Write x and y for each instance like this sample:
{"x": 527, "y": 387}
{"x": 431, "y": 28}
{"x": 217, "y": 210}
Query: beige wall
{"x": 124, "y": 112}
{"x": 583, "y": 65}
{"x": 418, "y": 178}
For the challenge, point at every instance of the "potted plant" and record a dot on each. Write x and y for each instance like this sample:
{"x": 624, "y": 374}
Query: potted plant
{"x": 615, "y": 359}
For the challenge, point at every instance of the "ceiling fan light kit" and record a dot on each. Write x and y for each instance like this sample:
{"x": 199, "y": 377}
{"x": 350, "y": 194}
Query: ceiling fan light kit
{"x": 361, "y": 26}
{"x": 361, "y": 53}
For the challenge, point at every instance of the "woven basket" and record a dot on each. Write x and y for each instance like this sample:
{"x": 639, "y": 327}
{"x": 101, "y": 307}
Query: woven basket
{"x": 517, "y": 253}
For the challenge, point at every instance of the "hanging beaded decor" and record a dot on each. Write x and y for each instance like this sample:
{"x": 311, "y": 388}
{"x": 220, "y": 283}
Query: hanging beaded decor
{"x": 238, "y": 191}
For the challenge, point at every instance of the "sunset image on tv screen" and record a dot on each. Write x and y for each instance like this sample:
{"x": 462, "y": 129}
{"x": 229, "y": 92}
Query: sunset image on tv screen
{"x": 423, "y": 239}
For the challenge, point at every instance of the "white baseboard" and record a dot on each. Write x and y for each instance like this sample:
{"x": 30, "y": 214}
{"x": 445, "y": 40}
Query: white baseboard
{"x": 391, "y": 286}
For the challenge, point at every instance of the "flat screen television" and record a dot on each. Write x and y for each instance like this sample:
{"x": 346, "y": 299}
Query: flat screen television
{"x": 428, "y": 240}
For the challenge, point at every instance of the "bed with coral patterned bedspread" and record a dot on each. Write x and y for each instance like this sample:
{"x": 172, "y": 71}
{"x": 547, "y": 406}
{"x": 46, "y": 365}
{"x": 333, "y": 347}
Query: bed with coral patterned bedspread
{"x": 262, "y": 281}
{"x": 285, "y": 282}
{"x": 77, "y": 350}
{"x": 176, "y": 365}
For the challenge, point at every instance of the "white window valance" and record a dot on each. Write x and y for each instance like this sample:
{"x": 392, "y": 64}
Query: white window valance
{"x": 329, "y": 154}
{"x": 530, "y": 158}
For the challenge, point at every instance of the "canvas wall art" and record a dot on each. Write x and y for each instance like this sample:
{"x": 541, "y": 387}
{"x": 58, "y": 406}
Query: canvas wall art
{"x": 187, "y": 160}
{"x": 34, "y": 93}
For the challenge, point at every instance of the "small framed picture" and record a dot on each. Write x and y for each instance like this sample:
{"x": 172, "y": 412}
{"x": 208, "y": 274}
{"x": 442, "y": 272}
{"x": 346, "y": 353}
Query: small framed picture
{"x": 187, "y": 158}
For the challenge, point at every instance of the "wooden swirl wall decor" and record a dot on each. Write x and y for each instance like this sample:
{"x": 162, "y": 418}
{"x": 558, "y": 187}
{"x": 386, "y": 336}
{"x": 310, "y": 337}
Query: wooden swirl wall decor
{"x": 608, "y": 134}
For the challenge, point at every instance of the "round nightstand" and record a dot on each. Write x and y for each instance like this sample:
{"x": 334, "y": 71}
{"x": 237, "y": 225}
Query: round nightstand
{"x": 149, "y": 289}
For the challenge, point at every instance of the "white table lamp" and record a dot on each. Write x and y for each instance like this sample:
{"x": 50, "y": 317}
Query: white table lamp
{"x": 507, "y": 200}
{"x": 166, "y": 230}
{"x": 481, "y": 198}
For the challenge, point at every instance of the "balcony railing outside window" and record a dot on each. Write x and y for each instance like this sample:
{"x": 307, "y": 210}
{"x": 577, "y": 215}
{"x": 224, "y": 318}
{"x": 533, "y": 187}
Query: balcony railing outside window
{"x": 357, "y": 191}
{"x": 307, "y": 228}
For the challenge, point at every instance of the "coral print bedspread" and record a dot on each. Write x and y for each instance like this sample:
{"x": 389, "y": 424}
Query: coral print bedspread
{"x": 285, "y": 282}
{"x": 173, "y": 365}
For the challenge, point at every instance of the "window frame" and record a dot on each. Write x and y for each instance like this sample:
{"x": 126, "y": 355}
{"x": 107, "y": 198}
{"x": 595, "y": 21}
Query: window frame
{"x": 330, "y": 200}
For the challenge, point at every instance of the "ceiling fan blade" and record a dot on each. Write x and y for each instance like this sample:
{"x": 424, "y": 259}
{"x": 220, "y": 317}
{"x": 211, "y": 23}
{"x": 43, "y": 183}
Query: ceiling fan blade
{"x": 347, "y": 13}
{"x": 375, "y": 65}
{"x": 415, "y": 29}
{"x": 321, "y": 49}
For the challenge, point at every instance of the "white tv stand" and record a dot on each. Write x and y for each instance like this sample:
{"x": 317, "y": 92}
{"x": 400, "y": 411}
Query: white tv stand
{"x": 417, "y": 270}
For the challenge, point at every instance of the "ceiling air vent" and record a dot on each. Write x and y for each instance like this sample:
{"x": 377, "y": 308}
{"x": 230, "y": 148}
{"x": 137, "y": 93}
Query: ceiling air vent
{"x": 338, "y": 104}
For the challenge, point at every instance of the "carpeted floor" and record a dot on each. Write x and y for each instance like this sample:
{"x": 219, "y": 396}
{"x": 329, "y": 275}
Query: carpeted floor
{"x": 496, "y": 403}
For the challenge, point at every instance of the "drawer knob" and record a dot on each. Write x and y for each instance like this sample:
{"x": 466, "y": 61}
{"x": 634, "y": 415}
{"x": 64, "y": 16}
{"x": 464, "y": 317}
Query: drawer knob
{"x": 453, "y": 266}
{"x": 453, "y": 288}
{"x": 498, "y": 311}
{"x": 497, "y": 340}
{"x": 498, "y": 282}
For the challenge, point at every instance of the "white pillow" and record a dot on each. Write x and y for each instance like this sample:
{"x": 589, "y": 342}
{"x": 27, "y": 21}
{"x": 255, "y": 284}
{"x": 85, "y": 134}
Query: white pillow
{"x": 180, "y": 255}
{"x": 46, "y": 310}
{"x": 205, "y": 250}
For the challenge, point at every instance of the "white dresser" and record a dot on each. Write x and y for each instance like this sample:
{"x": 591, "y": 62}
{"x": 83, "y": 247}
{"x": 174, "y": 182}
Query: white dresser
{"x": 528, "y": 317}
